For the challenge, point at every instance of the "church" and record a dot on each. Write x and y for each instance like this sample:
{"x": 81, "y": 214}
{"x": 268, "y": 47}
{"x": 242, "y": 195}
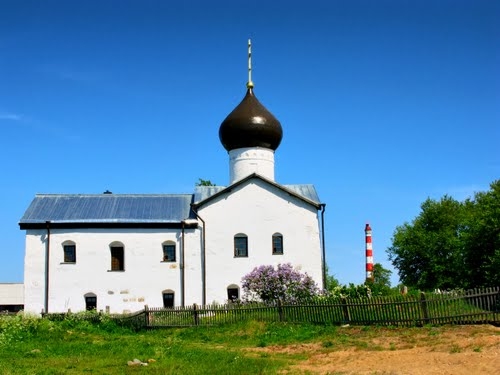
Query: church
{"x": 120, "y": 252}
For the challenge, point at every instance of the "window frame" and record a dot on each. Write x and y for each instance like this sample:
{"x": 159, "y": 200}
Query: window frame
{"x": 275, "y": 250}
{"x": 171, "y": 297}
{"x": 165, "y": 246}
{"x": 239, "y": 250}
{"x": 117, "y": 263}
{"x": 90, "y": 301}
{"x": 231, "y": 289}
{"x": 66, "y": 248}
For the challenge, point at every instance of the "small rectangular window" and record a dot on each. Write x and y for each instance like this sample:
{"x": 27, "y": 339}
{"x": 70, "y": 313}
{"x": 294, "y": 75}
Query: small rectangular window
{"x": 117, "y": 263}
{"x": 232, "y": 294}
{"x": 168, "y": 300}
{"x": 90, "y": 303}
{"x": 69, "y": 254}
{"x": 169, "y": 253}
{"x": 241, "y": 246}
{"x": 277, "y": 244}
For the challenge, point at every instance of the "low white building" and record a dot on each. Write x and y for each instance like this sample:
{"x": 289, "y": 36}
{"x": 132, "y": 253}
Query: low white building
{"x": 11, "y": 297}
{"x": 120, "y": 252}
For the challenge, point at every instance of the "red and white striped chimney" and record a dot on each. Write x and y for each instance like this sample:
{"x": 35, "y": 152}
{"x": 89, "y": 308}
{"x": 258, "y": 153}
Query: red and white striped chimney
{"x": 369, "y": 253}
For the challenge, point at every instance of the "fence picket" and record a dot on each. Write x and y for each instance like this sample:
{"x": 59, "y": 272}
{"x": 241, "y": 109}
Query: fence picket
{"x": 468, "y": 307}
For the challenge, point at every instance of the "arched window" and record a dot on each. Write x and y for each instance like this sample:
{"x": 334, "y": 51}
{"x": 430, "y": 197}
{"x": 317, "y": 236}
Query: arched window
{"x": 69, "y": 250}
{"x": 168, "y": 298}
{"x": 90, "y": 301}
{"x": 241, "y": 245}
{"x": 169, "y": 251}
{"x": 117, "y": 256}
{"x": 233, "y": 293}
{"x": 277, "y": 244}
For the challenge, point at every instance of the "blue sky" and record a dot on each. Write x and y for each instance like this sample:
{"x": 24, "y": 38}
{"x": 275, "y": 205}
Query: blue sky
{"x": 383, "y": 104}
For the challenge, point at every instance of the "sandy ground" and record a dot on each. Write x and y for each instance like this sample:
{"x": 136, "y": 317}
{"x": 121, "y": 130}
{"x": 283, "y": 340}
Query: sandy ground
{"x": 465, "y": 350}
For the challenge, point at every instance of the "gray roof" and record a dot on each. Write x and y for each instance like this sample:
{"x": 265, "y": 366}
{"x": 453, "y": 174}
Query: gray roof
{"x": 108, "y": 208}
{"x": 203, "y": 192}
{"x": 305, "y": 192}
{"x": 134, "y": 210}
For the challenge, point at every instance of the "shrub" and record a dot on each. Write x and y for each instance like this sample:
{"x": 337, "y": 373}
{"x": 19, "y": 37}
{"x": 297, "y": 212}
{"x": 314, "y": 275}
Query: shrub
{"x": 351, "y": 290}
{"x": 86, "y": 321}
{"x": 21, "y": 327}
{"x": 283, "y": 283}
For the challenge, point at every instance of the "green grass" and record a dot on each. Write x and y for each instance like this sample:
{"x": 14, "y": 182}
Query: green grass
{"x": 29, "y": 345}
{"x": 74, "y": 346}
{"x": 55, "y": 349}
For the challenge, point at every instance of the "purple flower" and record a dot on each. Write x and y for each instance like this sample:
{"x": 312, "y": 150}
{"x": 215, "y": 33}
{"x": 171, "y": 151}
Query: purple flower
{"x": 284, "y": 284}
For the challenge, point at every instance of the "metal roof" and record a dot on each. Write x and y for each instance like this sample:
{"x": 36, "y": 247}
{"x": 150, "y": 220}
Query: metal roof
{"x": 108, "y": 208}
{"x": 203, "y": 192}
{"x": 133, "y": 210}
{"x": 305, "y": 192}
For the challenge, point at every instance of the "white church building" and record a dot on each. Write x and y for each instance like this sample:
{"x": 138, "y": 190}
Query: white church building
{"x": 119, "y": 252}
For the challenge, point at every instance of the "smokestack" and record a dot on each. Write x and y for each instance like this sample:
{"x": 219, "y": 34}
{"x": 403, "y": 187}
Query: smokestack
{"x": 369, "y": 253}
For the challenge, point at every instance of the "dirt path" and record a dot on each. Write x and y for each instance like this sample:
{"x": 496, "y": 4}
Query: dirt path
{"x": 465, "y": 350}
{"x": 406, "y": 361}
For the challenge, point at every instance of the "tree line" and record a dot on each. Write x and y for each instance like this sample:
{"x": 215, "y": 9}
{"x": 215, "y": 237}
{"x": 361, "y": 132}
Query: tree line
{"x": 451, "y": 244}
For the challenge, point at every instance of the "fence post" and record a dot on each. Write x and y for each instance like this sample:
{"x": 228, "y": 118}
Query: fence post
{"x": 146, "y": 315}
{"x": 195, "y": 315}
{"x": 280, "y": 311}
{"x": 345, "y": 309}
{"x": 423, "y": 305}
{"x": 496, "y": 306}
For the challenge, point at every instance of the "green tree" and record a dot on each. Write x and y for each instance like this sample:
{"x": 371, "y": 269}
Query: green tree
{"x": 331, "y": 280}
{"x": 202, "y": 182}
{"x": 451, "y": 244}
{"x": 381, "y": 284}
{"x": 428, "y": 252}
{"x": 482, "y": 239}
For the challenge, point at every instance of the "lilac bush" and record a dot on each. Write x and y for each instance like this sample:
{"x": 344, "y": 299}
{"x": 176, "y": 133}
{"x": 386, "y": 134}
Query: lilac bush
{"x": 283, "y": 283}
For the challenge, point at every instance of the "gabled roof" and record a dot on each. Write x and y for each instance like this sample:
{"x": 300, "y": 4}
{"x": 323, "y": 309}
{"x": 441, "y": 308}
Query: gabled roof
{"x": 136, "y": 210}
{"x": 306, "y": 192}
{"x": 203, "y": 192}
{"x": 107, "y": 210}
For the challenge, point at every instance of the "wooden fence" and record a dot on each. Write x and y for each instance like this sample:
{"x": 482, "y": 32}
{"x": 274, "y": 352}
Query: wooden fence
{"x": 456, "y": 307}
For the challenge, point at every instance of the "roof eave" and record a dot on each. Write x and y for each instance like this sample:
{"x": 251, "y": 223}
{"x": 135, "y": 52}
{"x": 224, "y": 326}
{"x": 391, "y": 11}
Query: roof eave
{"x": 228, "y": 189}
{"x": 82, "y": 224}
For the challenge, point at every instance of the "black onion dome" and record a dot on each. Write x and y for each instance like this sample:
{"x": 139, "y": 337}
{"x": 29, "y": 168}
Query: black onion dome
{"x": 250, "y": 124}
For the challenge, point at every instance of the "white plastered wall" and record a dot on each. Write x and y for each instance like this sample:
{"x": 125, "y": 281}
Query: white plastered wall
{"x": 255, "y": 208}
{"x": 11, "y": 294}
{"x": 258, "y": 210}
{"x": 245, "y": 161}
{"x": 34, "y": 271}
{"x": 141, "y": 283}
